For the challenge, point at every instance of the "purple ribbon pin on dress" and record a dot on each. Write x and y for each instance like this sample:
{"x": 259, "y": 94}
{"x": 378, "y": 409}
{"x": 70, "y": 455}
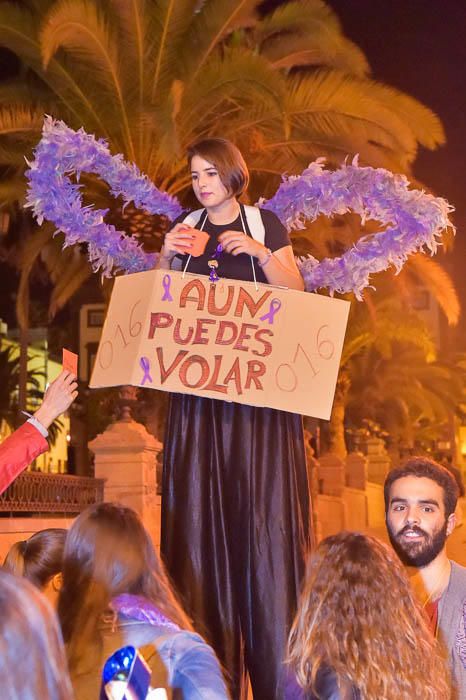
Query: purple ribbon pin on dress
{"x": 166, "y": 282}
{"x": 145, "y": 366}
{"x": 274, "y": 307}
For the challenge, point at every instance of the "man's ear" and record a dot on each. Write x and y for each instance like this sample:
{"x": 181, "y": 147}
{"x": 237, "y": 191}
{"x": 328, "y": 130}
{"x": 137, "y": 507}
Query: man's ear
{"x": 57, "y": 582}
{"x": 451, "y": 523}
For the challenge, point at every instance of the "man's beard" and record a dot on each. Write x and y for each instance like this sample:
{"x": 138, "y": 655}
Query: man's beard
{"x": 418, "y": 553}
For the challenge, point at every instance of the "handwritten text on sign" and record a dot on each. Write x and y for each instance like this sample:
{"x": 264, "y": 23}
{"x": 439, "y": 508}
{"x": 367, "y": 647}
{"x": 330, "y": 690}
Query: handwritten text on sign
{"x": 264, "y": 347}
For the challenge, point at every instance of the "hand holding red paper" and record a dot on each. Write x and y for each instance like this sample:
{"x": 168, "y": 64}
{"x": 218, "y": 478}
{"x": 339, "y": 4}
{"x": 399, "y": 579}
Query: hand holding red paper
{"x": 184, "y": 239}
{"x": 58, "y": 398}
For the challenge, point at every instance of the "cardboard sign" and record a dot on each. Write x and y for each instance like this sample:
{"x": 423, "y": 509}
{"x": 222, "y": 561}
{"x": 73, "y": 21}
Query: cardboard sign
{"x": 70, "y": 361}
{"x": 264, "y": 347}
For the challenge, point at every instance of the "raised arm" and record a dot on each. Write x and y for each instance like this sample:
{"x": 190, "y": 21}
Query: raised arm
{"x": 28, "y": 442}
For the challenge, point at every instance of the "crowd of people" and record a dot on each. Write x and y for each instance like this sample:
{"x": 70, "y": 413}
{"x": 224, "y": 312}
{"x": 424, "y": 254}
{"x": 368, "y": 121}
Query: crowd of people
{"x": 372, "y": 622}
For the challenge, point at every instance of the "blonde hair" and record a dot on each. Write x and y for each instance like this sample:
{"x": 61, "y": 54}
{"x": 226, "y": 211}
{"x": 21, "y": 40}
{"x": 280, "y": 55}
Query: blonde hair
{"x": 32, "y": 657}
{"x": 358, "y": 615}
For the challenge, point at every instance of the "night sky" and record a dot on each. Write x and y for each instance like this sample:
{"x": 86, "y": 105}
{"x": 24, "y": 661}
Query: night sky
{"x": 419, "y": 47}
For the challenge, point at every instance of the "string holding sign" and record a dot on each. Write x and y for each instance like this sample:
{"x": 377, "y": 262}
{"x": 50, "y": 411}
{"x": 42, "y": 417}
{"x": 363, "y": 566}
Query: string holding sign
{"x": 414, "y": 219}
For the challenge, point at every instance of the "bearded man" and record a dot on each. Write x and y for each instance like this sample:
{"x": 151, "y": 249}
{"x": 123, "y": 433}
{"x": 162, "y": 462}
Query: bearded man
{"x": 420, "y": 502}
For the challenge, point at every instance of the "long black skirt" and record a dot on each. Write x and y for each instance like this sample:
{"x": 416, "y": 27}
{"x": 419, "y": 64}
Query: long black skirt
{"x": 236, "y": 526}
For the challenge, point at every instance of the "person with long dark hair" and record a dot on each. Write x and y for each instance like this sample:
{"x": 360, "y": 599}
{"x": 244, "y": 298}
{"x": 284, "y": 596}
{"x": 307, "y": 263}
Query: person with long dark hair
{"x": 32, "y": 657}
{"x": 359, "y": 633}
{"x": 235, "y": 504}
{"x": 115, "y": 593}
{"x": 39, "y": 559}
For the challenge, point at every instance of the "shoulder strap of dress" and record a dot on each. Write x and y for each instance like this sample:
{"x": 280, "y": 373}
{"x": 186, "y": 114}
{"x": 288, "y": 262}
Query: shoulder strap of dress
{"x": 253, "y": 217}
{"x": 193, "y": 217}
{"x": 255, "y": 223}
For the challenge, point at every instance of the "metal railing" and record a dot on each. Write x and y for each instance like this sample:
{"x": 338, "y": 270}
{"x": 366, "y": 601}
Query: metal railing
{"x": 33, "y": 492}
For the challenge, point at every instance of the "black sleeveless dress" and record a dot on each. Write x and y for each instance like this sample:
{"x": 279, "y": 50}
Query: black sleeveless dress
{"x": 236, "y": 521}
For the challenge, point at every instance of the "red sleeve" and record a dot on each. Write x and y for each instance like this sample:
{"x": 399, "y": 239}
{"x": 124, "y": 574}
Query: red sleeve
{"x": 18, "y": 451}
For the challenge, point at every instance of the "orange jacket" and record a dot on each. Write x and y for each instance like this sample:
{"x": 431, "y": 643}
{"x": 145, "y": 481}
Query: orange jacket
{"x": 18, "y": 451}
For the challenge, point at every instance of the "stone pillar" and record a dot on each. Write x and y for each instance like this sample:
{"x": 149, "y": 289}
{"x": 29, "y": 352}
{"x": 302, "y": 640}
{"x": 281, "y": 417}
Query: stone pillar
{"x": 313, "y": 479}
{"x": 356, "y": 471}
{"x": 331, "y": 475}
{"x": 125, "y": 456}
{"x": 378, "y": 460}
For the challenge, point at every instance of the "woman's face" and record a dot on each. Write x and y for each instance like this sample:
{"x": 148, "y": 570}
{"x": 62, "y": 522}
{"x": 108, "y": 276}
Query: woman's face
{"x": 207, "y": 185}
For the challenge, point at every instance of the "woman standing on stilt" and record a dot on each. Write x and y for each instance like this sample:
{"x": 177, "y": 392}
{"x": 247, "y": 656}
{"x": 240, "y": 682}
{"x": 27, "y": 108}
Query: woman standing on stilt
{"x": 235, "y": 511}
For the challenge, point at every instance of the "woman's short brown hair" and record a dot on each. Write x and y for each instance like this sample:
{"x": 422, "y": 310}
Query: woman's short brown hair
{"x": 228, "y": 160}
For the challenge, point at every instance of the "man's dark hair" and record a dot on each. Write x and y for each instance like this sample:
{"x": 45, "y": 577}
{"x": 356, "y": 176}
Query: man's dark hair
{"x": 427, "y": 468}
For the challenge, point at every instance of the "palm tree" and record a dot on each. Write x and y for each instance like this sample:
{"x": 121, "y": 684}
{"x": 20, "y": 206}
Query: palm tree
{"x": 390, "y": 374}
{"x": 409, "y": 395}
{"x": 152, "y": 76}
{"x": 372, "y": 327}
{"x": 10, "y": 369}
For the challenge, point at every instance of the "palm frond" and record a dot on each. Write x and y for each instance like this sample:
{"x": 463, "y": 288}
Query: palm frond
{"x": 20, "y": 127}
{"x": 298, "y": 16}
{"x": 432, "y": 276}
{"x": 19, "y": 91}
{"x": 322, "y": 138}
{"x": 290, "y": 52}
{"x": 12, "y": 190}
{"x": 239, "y": 75}
{"x": 236, "y": 81}
{"x": 308, "y": 33}
{"x": 68, "y": 284}
{"x": 30, "y": 251}
{"x": 424, "y": 124}
{"x": 18, "y": 33}
{"x": 21, "y": 121}
{"x": 83, "y": 30}
{"x": 328, "y": 93}
{"x": 209, "y": 27}
{"x": 170, "y": 23}
{"x": 134, "y": 40}
{"x": 132, "y": 27}
{"x": 354, "y": 345}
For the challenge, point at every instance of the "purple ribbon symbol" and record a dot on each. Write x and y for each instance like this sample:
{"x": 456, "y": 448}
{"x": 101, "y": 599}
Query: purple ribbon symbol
{"x": 145, "y": 366}
{"x": 274, "y": 307}
{"x": 166, "y": 286}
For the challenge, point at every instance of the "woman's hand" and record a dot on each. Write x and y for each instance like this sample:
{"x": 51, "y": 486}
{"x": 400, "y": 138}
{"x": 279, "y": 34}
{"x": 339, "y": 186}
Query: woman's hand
{"x": 236, "y": 242}
{"x": 58, "y": 398}
{"x": 178, "y": 240}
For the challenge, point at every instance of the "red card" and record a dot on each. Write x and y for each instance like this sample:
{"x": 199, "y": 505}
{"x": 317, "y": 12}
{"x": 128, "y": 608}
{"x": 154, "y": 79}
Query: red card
{"x": 200, "y": 239}
{"x": 70, "y": 361}
{"x": 197, "y": 244}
